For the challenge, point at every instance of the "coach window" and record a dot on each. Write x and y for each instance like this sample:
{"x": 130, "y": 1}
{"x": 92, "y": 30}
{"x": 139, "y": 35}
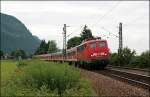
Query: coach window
{"x": 93, "y": 45}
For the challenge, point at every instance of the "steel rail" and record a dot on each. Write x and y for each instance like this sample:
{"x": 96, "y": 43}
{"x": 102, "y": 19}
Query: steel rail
{"x": 134, "y": 82}
{"x": 123, "y": 67}
{"x": 134, "y": 79}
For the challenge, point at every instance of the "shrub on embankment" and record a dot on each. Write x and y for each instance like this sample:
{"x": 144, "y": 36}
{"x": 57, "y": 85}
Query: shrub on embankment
{"x": 129, "y": 58}
{"x": 40, "y": 78}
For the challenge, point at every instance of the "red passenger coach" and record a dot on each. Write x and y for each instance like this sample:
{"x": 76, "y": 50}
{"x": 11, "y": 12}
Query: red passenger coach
{"x": 92, "y": 53}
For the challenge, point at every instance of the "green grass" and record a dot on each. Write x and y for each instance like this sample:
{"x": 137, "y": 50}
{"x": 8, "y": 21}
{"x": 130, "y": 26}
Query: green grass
{"x": 7, "y": 68}
{"x": 41, "y": 78}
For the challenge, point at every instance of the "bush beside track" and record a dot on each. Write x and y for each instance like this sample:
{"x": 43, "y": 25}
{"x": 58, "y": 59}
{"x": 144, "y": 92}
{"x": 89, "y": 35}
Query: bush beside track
{"x": 41, "y": 78}
{"x": 128, "y": 58}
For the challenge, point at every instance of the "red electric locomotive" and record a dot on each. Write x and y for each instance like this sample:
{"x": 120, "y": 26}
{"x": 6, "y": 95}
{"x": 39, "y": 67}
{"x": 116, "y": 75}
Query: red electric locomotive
{"x": 92, "y": 53}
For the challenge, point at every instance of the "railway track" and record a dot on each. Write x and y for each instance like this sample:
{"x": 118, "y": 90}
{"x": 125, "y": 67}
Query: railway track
{"x": 134, "y": 77}
{"x": 129, "y": 68}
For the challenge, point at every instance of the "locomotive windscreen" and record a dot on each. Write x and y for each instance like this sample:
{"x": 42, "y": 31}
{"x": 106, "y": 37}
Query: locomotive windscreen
{"x": 102, "y": 44}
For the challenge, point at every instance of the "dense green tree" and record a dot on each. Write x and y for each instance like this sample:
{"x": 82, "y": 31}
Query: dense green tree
{"x": 124, "y": 58}
{"x": 44, "y": 45}
{"x": 86, "y": 33}
{"x": 135, "y": 61}
{"x": 128, "y": 58}
{"x": 72, "y": 42}
{"x": 145, "y": 59}
{"x": 18, "y": 53}
{"x": 52, "y": 47}
{"x": 43, "y": 48}
{"x": 141, "y": 61}
{"x": 114, "y": 58}
{"x": 1, "y": 53}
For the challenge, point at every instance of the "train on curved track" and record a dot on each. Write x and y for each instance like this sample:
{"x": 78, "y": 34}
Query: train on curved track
{"x": 92, "y": 54}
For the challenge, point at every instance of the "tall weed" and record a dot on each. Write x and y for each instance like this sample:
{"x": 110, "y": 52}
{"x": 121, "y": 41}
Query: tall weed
{"x": 43, "y": 78}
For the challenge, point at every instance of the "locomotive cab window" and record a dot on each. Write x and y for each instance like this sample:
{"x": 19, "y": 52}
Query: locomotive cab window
{"x": 102, "y": 44}
{"x": 93, "y": 45}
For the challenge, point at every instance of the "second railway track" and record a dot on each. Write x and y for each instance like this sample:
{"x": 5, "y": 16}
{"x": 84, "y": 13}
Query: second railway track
{"x": 133, "y": 78}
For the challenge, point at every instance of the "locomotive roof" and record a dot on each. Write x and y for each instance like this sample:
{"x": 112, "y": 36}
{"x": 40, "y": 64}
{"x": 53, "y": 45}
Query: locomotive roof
{"x": 89, "y": 41}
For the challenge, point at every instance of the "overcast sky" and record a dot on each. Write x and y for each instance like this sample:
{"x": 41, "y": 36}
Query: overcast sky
{"x": 45, "y": 19}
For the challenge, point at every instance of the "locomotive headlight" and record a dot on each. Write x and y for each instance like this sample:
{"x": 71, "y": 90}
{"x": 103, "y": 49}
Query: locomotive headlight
{"x": 103, "y": 53}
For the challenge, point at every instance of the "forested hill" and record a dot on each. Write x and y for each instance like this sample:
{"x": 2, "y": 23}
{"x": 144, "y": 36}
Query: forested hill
{"x": 14, "y": 35}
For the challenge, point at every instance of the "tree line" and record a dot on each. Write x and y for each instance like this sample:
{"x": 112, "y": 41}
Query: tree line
{"x": 128, "y": 58}
{"x": 15, "y": 54}
{"x": 44, "y": 48}
{"x": 49, "y": 47}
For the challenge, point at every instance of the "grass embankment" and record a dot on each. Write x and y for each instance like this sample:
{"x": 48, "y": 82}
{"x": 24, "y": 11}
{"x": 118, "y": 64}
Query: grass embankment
{"x": 40, "y": 78}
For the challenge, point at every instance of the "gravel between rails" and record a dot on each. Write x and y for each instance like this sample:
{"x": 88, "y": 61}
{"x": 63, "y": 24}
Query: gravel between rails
{"x": 107, "y": 86}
